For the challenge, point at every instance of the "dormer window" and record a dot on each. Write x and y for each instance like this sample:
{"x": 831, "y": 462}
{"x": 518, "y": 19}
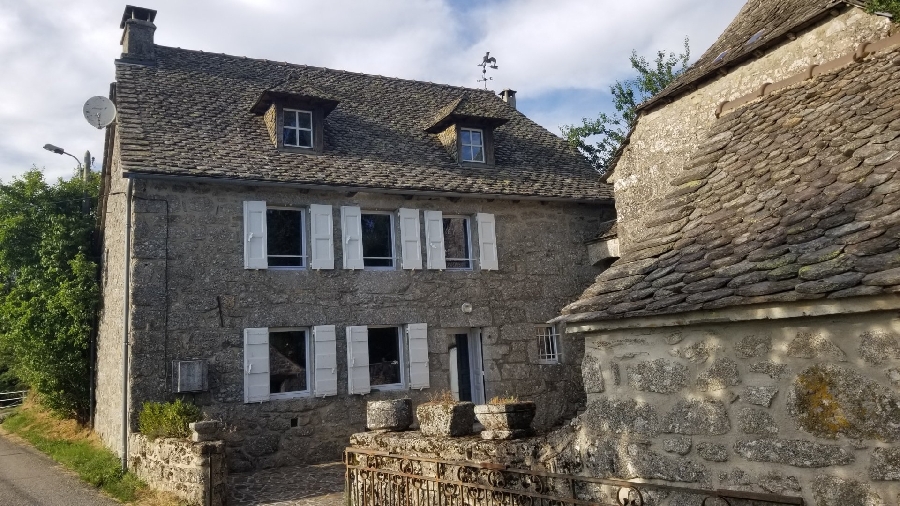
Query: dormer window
{"x": 472, "y": 145}
{"x": 298, "y": 128}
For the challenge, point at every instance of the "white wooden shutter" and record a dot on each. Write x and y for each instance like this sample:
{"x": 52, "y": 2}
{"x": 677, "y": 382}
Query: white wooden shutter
{"x": 417, "y": 339}
{"x": 410, "y": 239}
{"x": 325, "y": 360}
{"x": 487, "y": 241}
{"x": 358, "y": 381}
{"x": 256, "y": 365}
{"x": 351, "y": 231}
{"x": 255, "y": 256}
{"x": 434, "y": 240}
{"x": 322, "y": 232}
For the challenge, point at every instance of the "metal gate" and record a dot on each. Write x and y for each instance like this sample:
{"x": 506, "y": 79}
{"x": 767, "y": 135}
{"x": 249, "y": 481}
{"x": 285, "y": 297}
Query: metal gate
{"x": 382, "y": 479}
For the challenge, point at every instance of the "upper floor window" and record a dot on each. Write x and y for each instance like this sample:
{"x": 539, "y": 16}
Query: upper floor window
{"x": 472, "y": 145}
{"x": 458, "y": 242}
{"x": 286, "y": 237}
{"x": 298, "y": 128}
{"x": 377, "y": 239}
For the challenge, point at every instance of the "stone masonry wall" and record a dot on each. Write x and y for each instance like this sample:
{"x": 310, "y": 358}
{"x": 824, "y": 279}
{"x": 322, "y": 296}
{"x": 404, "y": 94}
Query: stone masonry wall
{"x": 664, "y": 138}
{"x": 192, "y": 298}
{"x": 195, "y": 472}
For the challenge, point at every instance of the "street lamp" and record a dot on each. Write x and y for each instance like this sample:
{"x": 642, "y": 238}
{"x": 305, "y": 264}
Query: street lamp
{"x": 60, "y": 151}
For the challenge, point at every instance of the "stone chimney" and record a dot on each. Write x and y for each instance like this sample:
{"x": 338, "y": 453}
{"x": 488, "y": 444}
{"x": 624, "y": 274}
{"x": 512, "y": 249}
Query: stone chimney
{"x": 137, "y": 34}
{"x": 509, "y": 96}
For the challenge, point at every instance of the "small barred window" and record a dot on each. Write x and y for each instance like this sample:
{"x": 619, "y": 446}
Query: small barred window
{"x": 548, "y": 344}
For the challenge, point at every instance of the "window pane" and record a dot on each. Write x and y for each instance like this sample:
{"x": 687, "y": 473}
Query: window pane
{"x": 466, "y": 137}
{"x": 467, "y": 153}
{"x": 290, "y": 137}
{"x": 456, "y": 242}
{"x": 284, "y": 234}
{"x": 287, "y": 361}
{"x": 384, "y": 356}
{"x": 290, "y": 118}
{"x": 476, "y": 138}
{"x": 378, "y": 245}
{"x": 304, "y": 138}
{"x": 477, "y": 154}
{"x": 305, "y": 119}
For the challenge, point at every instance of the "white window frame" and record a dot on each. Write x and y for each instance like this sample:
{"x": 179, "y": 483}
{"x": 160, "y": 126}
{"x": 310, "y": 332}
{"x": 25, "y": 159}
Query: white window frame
{"x": 548, "y": 344}
{"x": 303, "y": 226}
{"x": 401, "y": 340}
{"x": 298, "y": 128}
{"x": 471, "y": 258}
{"x": 462, "y": 145}
{"x": 309, "y": 365}
{"x": 393, "y": 257}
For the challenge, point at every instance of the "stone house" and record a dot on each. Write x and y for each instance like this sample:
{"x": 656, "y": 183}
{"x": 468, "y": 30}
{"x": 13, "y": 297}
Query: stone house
{"x": 282, "y": 243}
{"x": 747, "y": 338}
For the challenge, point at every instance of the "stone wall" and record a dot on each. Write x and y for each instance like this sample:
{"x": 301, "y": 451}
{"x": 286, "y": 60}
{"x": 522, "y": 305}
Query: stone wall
{"x": 195, "y": 472}
{"x": 192, "y": 299}
{"x": 664, "y": 138}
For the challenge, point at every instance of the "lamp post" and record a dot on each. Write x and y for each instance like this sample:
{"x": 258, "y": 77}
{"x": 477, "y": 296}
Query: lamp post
{"x": 60, "y": 151}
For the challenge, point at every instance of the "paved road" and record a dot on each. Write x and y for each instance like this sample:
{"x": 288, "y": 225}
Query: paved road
{"x": 28, "y": 477}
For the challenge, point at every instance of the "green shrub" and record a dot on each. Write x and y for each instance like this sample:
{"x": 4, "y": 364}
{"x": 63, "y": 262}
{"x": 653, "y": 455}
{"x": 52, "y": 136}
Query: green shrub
{"x": 891, "y": 7}
{"x": 168, "y": 419}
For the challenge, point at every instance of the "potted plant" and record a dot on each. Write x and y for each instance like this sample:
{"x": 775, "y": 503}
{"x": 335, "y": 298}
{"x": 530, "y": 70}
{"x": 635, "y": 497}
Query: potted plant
{"x": 506, "y": 418}
{"x": 445, "y": 416}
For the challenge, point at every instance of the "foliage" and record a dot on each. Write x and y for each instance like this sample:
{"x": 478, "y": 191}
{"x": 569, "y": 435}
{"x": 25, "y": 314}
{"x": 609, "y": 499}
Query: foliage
{"x": 168, "y": 419}
{"x": 891, "y": 7}
{"x": 441, "y": 397}
{"x": 48, "y": 287}
{"x": 512, "y": 399}
{"x": 73, "y": 446}
{"x": 609, "y": 131}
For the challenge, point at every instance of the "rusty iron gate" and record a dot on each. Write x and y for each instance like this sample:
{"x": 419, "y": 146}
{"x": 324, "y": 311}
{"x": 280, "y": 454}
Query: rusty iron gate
{"x": 377, "y": 478}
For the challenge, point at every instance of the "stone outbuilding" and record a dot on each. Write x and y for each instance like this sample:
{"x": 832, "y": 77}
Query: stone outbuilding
{"x": 282, "y": 243}
{"x": 747, "y": 338}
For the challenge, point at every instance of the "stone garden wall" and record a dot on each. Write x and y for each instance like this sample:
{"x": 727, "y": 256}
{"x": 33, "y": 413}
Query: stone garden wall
{"x": 195, "y": 472}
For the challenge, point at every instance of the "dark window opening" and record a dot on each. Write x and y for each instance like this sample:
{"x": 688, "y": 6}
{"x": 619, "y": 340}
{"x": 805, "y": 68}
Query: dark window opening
{"x": 378, "y": 240}
{"x": 457, "y": 243}
{"x": 384, "y": 356}
{"x": 284, "y": 238}
{"x": 294, "y": 422}
{"x": 287, "y": 361}
{"x": 463, "y": 371}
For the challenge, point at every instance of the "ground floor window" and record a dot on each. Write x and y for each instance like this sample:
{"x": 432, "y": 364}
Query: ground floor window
{"x": 288, "y": 361}
{"x": 385, "y": 356}
{"x": 548, "y": 344}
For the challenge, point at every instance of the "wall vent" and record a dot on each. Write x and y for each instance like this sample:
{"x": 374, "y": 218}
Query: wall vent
{"x": 190, "y": 376}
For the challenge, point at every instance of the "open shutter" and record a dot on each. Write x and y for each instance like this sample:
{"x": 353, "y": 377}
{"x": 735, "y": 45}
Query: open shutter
{"x": 255, "y": 256}
{"x": 410, "y": 239}
{"x": 326, "y": 361}
{"x": 256, "y": 365}
{"x": 487, "y": 241}
{"x": 351, "y": 230}
{"x": 417, "y": 337}
{"x": 434, "y": 239}
{"x": 322, "y": 232}
{"x": 358, "y": 360}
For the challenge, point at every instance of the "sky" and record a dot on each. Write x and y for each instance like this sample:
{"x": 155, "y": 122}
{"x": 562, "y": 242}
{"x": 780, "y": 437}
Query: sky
{"x": 560, "y": 55}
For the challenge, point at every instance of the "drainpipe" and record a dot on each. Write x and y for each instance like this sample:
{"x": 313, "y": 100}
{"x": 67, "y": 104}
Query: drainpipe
{"x": 126, "y": 307}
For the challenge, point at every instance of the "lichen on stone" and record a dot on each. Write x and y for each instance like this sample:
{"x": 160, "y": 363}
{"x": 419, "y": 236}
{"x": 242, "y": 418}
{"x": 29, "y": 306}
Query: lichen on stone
{"x": 876, "y": 347}
{"x": 810, "y": 345}
{"x": 754, "y": 345}
{"x": 836, "y": 491}
{"x": 660, "y": 376}
{"x": 723, "y": 373}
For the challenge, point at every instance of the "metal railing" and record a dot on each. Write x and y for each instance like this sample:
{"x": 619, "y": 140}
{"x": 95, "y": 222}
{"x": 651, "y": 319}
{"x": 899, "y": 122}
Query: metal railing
{"x": 12, "y": 399}
{"x": 384, "y": 479}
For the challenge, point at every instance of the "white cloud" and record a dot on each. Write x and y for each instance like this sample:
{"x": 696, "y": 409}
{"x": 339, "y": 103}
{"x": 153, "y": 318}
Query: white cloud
{"x": 559, "y": 55}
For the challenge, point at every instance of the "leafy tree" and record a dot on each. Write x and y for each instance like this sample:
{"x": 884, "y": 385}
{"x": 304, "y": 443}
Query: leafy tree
{"x": 891, "y": 7}
{"x": 608, "y": 131}
{"x": 48, "y": 286}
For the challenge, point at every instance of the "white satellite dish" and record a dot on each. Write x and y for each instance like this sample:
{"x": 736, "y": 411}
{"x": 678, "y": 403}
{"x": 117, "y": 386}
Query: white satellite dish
{"x": 99, "y": 112}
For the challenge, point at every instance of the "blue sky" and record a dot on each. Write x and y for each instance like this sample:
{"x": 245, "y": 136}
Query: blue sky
{"x": 561, "y": 56}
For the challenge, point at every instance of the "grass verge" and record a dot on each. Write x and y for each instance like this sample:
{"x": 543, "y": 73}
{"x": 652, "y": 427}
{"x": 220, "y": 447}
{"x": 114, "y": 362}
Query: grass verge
{"x": 76, "y": 448}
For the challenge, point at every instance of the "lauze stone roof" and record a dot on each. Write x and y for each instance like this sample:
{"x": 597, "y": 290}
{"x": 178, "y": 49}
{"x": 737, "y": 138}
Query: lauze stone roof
{"x": 793, "y": 197}
{"x": 189, "y": 115}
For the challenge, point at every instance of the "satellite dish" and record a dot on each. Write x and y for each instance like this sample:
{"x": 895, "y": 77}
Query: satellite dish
{"x": 99, "y": 112}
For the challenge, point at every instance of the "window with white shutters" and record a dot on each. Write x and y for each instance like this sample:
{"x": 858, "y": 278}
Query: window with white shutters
{"x": 377, "y": 240}
{"x": 434, "y": 240}
{"x": 255, "y": 235}
{"x": 410, "y": 239}
{"x": 417, "y": 343}
{"x": 285, "y": 238}
{"x": 351, "y": 235}
{"x": 487, "y": 241}
{"x": 458, "y": 242}
{"x": 358, "y": 360}
{"x": 325, "y": 360}
{"x": 256, "y": 364}
{"x": 322, "y": 237}
{"x": 277, "y": 364}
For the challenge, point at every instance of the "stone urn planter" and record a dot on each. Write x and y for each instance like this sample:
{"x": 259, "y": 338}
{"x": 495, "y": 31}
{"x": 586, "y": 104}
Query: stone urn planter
{"x": 509, "y": 420}
{"x": 393, "y": 415}
{"x": 446, "y": 418}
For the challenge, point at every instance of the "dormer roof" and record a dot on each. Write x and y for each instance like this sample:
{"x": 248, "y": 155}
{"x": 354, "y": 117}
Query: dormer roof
{"x": 463, "y": 109}
{"x": 294, "y": 92}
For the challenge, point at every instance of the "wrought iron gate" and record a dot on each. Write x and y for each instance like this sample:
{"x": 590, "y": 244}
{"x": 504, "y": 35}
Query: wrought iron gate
{"x": 382, "y": 479}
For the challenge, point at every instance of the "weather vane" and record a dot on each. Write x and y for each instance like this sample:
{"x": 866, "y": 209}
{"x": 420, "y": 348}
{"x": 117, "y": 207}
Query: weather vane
{"x": 488, "y": 62}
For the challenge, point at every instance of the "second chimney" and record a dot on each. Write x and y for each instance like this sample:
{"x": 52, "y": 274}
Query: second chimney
{"x": 137, "y": 37}
{"x": 509, "y": 96}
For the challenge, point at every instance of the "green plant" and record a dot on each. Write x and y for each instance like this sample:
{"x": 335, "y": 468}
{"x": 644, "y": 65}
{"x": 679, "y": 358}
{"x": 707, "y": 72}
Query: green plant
{"x": 891, "y": 7}
{"x": 167, "y": 419}
{"x": 441, "y": 397}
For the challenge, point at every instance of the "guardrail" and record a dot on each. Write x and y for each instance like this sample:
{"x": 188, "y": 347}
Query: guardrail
{"x": 385, "y": 479}
{"x": 12, "y": 399}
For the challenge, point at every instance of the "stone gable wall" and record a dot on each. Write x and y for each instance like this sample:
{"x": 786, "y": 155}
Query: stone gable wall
{"x": 664, "y": 138}
{"x": 192, "y": 299}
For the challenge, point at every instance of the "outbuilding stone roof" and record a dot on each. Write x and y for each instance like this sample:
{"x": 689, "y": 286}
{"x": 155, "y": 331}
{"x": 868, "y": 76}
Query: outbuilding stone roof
{"x": 793, "y": 197}
{"x": 189, "y": 115}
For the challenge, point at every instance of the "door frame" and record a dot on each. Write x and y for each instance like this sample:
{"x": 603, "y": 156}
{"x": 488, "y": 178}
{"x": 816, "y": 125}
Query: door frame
{"x": 476, "y": 364}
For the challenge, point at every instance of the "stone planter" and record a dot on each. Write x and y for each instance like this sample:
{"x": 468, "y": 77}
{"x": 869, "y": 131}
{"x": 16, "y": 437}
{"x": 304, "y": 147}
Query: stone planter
{"x": 506, "y": 421}
{"x": 393, "y": 415}
{"x": 446, "y": 419}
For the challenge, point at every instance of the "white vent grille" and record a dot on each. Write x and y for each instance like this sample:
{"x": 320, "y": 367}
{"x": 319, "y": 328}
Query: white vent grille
{"x": 190, "y": 375}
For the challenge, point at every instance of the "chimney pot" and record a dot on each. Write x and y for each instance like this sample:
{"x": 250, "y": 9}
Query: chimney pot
{"x": 137, "y": 35}
{"x": 509, "y": 96}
